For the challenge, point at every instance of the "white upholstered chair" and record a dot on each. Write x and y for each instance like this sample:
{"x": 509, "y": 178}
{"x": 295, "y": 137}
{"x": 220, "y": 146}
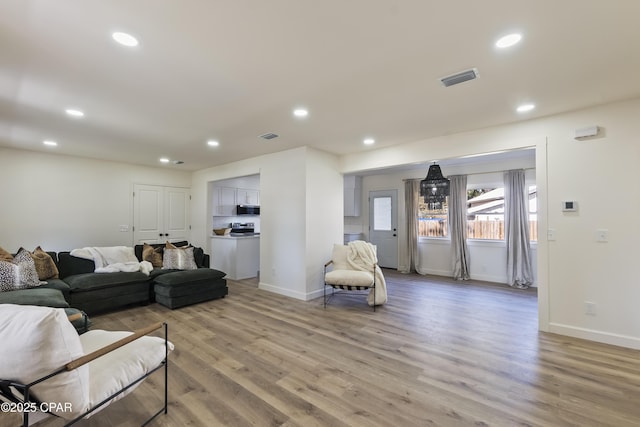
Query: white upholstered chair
{"x": 46, "y": 366}
{"x": 342, "y": 273}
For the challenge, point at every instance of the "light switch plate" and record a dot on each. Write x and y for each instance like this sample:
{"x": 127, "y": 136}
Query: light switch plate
{"x": 551, "y": 234}
{"x": 602, "y": 235}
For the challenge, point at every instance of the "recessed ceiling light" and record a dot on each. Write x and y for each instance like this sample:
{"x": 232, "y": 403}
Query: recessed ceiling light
{"x": 300, "y": 112}
{"x": 508, "y": 40}
{"x": 369, "y": 141}
{"x": 74, "y": 112}
{"x": 125, "y": 39}
{"x": 213, "y": 143}
{"x": 164, "y": 160}
{"x": 525, "y": 107}
{"x": 50, "y": 143}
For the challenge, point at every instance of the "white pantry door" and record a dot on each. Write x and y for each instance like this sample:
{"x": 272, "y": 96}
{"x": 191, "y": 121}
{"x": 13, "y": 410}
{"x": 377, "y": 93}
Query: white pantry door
{"x": 383, "y": 226}
{"x": 160, "y": 214}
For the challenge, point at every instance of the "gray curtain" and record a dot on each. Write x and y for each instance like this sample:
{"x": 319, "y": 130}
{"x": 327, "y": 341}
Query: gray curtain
{"x": 516, "y": 229}
{"x": 411, "y": 200}
{"x": 458, "y": 226}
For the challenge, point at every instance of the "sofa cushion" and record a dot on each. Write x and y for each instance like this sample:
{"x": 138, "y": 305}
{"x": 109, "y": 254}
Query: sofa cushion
{"x": 93, "y": 281}
{"x": 183, "y": 277}
{"x": 58, "y": 284}
{"x": 35, "y": 296}
{"x": 69, "y": 265}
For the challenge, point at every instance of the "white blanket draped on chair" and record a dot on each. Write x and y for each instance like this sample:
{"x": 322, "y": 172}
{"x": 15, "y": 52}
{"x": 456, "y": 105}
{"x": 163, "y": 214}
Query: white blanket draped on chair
{"x": 361, "y": 256}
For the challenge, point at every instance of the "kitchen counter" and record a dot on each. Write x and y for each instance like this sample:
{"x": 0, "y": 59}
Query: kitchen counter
{"x": 238, "y": 256}
{"x": 237, "y": 236}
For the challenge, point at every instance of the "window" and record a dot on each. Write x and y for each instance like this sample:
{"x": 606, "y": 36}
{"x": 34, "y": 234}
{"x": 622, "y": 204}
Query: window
{"x": 485, "y": 213}
{"x": 432, "y": 219}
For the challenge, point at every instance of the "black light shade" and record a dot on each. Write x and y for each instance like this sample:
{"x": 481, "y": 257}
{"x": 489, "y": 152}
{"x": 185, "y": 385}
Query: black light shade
{"x": 435, "y": 187}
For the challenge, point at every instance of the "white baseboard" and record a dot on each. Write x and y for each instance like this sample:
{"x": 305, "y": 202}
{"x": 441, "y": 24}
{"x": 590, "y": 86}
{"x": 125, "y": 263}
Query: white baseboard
{"x": 304, "y": 296}
{"x": 593, "y": 335}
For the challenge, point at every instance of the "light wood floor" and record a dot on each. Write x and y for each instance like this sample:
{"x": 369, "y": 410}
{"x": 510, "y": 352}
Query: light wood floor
{"x": 440, "y": 353}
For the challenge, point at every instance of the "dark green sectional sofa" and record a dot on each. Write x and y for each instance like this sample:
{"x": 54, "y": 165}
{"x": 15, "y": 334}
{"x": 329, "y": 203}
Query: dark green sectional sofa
{"x": 80, "y": 288}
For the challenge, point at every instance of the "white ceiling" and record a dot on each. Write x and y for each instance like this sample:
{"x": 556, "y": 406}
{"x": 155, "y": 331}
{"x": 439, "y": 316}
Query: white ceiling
{"x": 232, "y": 70}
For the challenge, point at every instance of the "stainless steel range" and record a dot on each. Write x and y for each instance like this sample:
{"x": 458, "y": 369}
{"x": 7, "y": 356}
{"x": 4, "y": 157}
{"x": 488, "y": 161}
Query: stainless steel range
{"x": 242, "y": 228}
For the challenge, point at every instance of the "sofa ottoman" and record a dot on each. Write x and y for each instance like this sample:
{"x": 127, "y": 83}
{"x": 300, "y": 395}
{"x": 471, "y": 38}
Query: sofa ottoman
{"x": 184, "y": 287}
{"x": 98, "y": 292}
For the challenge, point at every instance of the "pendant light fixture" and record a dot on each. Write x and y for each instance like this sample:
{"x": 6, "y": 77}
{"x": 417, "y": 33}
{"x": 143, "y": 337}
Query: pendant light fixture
{"x": 435, "y": 187}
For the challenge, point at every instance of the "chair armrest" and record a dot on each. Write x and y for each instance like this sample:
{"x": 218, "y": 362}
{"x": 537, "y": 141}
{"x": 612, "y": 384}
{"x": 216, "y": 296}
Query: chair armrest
{"x": 109, "y": 348}
{"x": 328, "y": 263}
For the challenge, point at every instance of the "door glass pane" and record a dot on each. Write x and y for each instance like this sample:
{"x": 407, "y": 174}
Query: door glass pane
{"x": 382, "y": 213}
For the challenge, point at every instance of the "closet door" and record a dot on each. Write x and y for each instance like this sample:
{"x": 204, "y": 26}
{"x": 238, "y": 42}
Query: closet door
{"x": 160, "y": 214}
{"x": 176, "y": 214}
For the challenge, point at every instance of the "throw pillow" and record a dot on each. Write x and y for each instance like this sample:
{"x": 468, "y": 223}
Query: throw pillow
{"x": 9, "y": 273}
{"x": 179, "y": 259}
{"x": 153, "y": 255}
{"x": 28, "y": 276}
{"x": 5, "y": 255}
{"x": 45, "y": 266}
{"x": 18, "y": 274}
{"x": 170, "y": 245}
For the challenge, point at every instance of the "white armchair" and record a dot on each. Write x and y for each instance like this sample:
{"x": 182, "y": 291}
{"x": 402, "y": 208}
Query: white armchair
{"x": 354, "y": 267}
{"x": 47, "y": 369}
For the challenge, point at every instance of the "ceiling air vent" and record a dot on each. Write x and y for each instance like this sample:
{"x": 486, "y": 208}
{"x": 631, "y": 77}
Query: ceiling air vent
{"x": 461, "y": 77}
{"x": 268, "y": 135}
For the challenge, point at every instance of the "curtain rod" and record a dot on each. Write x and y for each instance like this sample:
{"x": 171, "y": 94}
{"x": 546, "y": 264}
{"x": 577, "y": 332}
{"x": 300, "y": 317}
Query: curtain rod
{"x": 478, "y": 173}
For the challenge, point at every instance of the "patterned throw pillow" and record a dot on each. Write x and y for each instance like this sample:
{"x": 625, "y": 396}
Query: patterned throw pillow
{"x": 45, "y": 266}
{"x": 179, "y": 259}
{"x": 19, "y": 274}
{"x": 153, "y": 255}
{"x": 9, "y": 273}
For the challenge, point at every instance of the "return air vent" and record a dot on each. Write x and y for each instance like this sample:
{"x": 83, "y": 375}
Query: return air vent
{"x": 461, "y": 77}
{"x": 268, "y": 135}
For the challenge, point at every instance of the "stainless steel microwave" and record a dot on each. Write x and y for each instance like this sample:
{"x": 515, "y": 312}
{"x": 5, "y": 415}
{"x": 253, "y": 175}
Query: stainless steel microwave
{"x": 248, "y": 210}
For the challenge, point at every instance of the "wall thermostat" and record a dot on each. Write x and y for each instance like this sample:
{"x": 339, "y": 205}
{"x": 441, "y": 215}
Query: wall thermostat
{"x": 569, "y": 206}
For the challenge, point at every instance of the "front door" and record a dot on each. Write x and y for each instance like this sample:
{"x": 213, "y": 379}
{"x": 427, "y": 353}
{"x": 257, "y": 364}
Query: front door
{"x": 383, "y": 226}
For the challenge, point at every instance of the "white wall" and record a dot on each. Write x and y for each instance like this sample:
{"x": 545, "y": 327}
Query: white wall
{"x": 602, "y": 175}
{"x": 288, "y": 179}
{"x": 324, "y": 207}
{"x": 64, "y": 202}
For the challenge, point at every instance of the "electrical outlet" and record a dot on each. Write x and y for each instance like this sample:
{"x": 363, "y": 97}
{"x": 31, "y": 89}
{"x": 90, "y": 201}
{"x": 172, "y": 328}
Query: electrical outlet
{"x": 590, "y": 308}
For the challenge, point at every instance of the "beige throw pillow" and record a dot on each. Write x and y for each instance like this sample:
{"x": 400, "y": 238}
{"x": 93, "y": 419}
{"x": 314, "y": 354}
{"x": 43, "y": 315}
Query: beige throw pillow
{"x": 45, "y": 266}
{"x": 153, "y": 255}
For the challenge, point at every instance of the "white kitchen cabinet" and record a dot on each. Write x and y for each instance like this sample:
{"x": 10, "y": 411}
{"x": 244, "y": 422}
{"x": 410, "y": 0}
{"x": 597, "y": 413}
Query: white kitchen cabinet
{"x": 352, "y": 195}
{"x": 238, "y": 257}
{"x": 224, "y": 203}
{"x": 247, "y": 197}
